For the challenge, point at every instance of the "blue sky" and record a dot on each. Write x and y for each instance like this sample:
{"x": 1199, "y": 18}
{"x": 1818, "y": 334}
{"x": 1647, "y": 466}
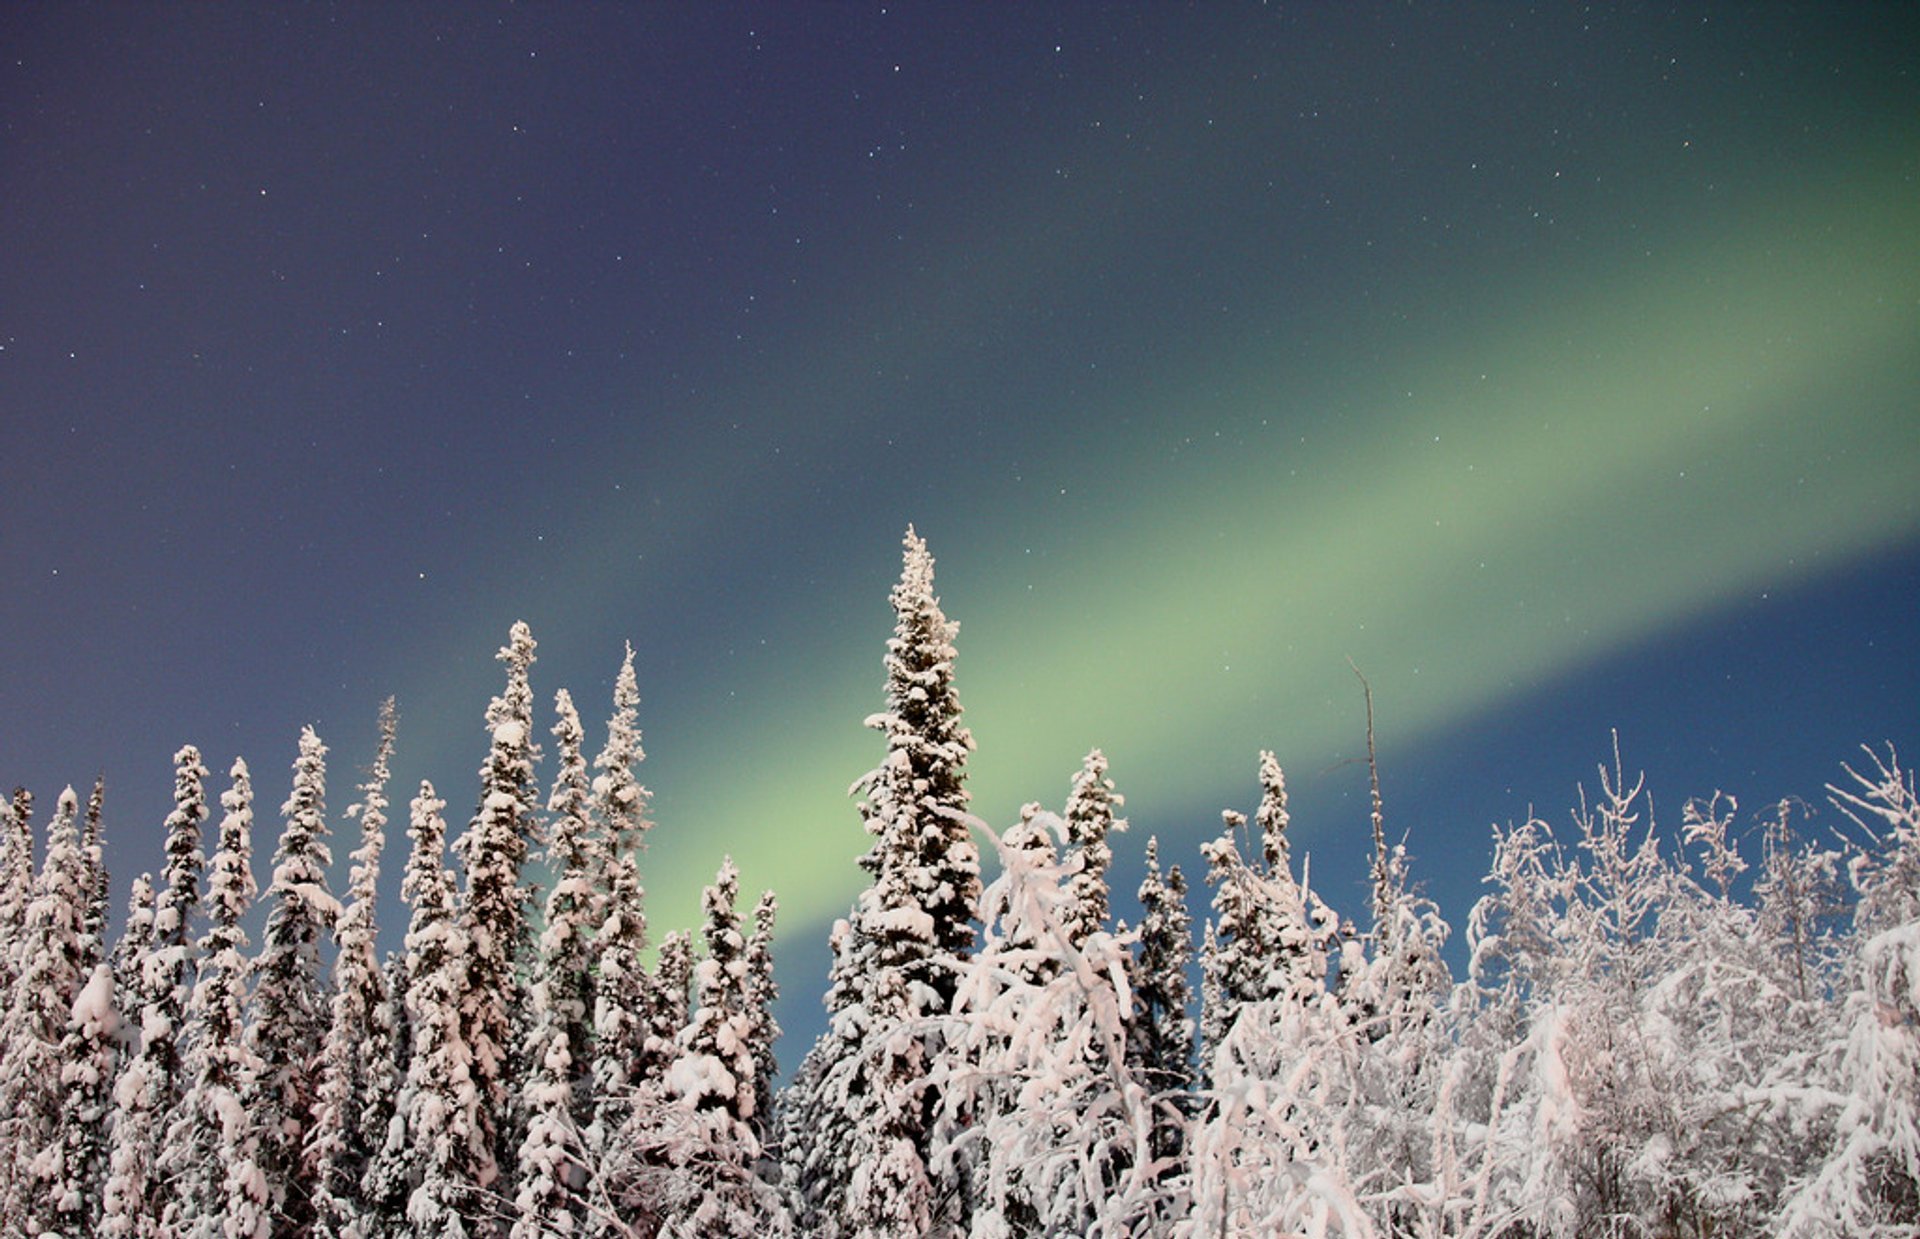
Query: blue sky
{"x": 1557, "y": 368}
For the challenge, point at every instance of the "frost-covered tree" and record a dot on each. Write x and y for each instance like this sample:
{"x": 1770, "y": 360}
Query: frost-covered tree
{"x": 148, "y": 1094}
{"x": 762, "y": 994}
{"x": 494, "y": 913}
{"x": 433, "y": 1151}
{"x": 288, "y": 1019}
{"x": 89, "y": 1055}
{"x": 383, "y": 1190}
{"x": 1160, "y": 1032}
{"x": 32, "y": 1094}
{"x": 620, "y": 996}
{"x": 1090, "y": 819}
{"x": 1269, "y": 937}
{"x": 1037, "y": 1090}
{"x": 553, "y": 1157}
{"x": 858, "y": 1132}
{"x": 213, "y": 1135}
{"x": 16, "y": 883}
{"x": 93, "y": 921}
{"x": 696, "y": 1152}
{"x": 358, "y": 1051}
{"x": 1868, "y": 1184}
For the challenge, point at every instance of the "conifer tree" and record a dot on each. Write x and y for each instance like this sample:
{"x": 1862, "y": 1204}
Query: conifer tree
{"x": 1053, "y": 1119}
{"x": 213, "y": 1135}
{"x": 289, "y": 1013}
{"x": 620, "y": 997}
{"x": 16, "y": 883}
{"x": 1090, "y": 819}
{"x": 383, "y": 1189}
{"x": 347, "y": 1124}
{"x": 89, "y": 1056}
{"x": 859, "y": 1131}
{"x": 433, "y": 1150}
{"x": 93, "y": 923}
{"x": 494, "y": 915}
{"x": 1160, "y": 1036}
{"x": 700, "y": 1147}
{"x": 148, "y": 1094}
{"x": 762, "y": 994}
{"x": 1269, "y": 936}
{"x": 553, "y": 1157}
{"x": 32, "y": 1098}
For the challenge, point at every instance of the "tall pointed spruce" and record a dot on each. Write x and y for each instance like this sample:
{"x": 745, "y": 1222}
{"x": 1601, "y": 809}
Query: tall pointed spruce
{"x": 494, "y": 850}
{"x": 289, "y": 1013}
{"x": 620, "y": 997}
{"x": 432, "y": 1152}
{"x": 359, "y": 1043}
{"x": 32, "y": 1098}
{"x": 552, "y": 1157}
{"x": 859, "y": 1132}
{"x": 149, "y": 1091}
{"x": 214, "y": 1136}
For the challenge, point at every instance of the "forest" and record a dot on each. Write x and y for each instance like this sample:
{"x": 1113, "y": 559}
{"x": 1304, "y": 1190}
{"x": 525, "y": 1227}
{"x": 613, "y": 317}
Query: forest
{"x": 1713, "y": 1031}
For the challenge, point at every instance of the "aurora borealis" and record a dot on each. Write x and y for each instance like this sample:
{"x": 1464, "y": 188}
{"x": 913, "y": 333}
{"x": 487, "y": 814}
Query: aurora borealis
{"x": 1557, "y": 368}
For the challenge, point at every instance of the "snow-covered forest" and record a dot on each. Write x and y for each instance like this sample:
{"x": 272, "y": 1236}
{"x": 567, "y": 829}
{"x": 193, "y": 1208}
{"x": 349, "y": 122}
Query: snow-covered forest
{"x": 1712, "y": 1030}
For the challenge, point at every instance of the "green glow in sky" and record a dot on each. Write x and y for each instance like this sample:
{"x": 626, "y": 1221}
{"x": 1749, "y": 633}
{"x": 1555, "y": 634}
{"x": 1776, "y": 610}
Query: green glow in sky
{"x": 1506, "y": 500}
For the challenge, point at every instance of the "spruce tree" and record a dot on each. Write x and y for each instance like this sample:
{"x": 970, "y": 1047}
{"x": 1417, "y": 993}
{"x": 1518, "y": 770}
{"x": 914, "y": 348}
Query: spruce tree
{"x": 433, "y": 1150}
{"x": 32, "y": 1096}
{"x": 494, "y": 915}
{"x": 89, "y": 1057}
{"x": 708, "y": 1147}
{"x": 1270, "y": 936}
{"x": 762, "y": 995}
{"x": 289, "y": 1013}
{"x": 16, "y": 883}
{"x": 213, "y": 1134}
{"x": 358, "y": 1052}
{"x": 553, "y": 1157}
{"x": 93, "y": 923}
{"x": 620, "y": 998}
{"x": 148, "y": 1094}
{"x": 1160, "y": 1036}
{"x": 859, "y": 1127}
{"x": 1089, "y": 820}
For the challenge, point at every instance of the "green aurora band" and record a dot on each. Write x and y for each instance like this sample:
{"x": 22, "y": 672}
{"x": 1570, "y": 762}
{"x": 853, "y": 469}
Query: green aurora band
{"x": 1493, "y": 497}
{"x": 1653, "y": 451}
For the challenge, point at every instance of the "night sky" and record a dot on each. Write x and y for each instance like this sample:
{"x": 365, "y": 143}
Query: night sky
{"x": 1560, "y": 368}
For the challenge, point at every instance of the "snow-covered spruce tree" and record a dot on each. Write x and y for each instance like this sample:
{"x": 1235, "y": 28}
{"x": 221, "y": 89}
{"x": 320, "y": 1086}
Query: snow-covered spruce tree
{"x": 213, "y": 1134}
{"x": 288, "y": 1019}
{"x": 433, "y": 1152}
{"x": 89, "y": 1055}
{"x": 1037, "y": 1092}
{"x": 1160, "y": 1031}
{"x": 356, "y": 1060}
{"x": 93, "y": 920}
{"x": 494, "y": 912}
{"x": 762, "y": 994}
{"x": 128, "y": 957}
{"x": 1090, "y": 819}
{"x": 148, "y": 1094}
{"x": 32, "y": 1095}
{"x": 1269, "y": 937}
{"x": 383, "y": 1190}
{"x": 620, "y": 996}
{"x": 1868, "y": 1184}
{"x": 554, "y": 1166}
{"x": 858, "y": 1128}
{"x": 697, "y": 1150}
{"x": 16, "y": 883}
